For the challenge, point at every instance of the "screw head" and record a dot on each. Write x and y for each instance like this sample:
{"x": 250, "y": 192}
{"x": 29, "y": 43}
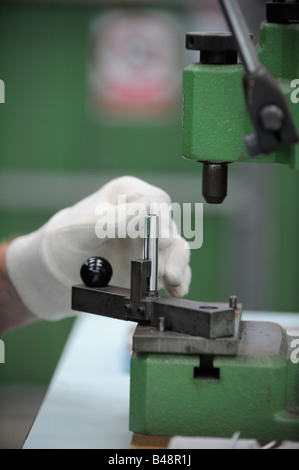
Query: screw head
{"x": 233, "y": 301}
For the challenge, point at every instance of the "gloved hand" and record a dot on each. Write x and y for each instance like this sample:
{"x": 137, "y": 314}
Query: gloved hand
{"x": 44, "y": 264}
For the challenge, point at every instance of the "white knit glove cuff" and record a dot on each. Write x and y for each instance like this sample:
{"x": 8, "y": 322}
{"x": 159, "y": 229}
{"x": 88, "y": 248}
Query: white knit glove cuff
{"x": 37, "y": 287}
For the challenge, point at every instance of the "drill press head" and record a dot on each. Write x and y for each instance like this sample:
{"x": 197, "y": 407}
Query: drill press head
{"x": 217, "y": 50}
{"x": 231, "y": 116}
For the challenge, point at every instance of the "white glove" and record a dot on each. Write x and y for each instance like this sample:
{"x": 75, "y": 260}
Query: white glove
{"x": 44, "y": 264}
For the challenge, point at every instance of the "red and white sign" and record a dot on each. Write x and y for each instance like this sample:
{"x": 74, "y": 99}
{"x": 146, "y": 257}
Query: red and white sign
{"x": 136, "y": 63}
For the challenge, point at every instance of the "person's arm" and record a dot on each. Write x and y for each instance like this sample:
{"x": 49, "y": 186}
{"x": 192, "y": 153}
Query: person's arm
{"x": 13, "y": 313}
{"x": 38, "y": 269}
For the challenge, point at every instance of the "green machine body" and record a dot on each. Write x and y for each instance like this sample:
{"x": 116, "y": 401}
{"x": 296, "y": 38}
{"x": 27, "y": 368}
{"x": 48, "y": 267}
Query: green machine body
{"x": 217, "y": 126}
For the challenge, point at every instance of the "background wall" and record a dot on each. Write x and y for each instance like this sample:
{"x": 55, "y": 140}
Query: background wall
{"x": 58, "y": 143}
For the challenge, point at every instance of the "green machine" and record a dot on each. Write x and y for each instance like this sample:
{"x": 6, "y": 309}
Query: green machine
{"x": 219, "y": 111}
{"x": 197, "y": 368}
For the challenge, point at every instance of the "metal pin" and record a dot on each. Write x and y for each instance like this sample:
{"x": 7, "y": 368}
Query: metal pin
{"x": 151, "y": 248}
{"x": 233, "y": 301}
{"x": 162, "y": 324}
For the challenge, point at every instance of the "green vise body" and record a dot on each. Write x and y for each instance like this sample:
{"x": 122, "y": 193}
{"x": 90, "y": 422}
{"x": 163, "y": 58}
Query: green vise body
{"x": 254, "y": 391}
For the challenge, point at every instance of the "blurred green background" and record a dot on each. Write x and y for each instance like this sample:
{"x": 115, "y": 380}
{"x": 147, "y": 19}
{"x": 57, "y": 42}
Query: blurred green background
{"x": 56, "y": 146}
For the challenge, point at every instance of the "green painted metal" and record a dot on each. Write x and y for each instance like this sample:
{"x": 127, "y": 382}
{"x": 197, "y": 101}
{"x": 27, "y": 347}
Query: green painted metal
{"x": 249, "y": 396}
{"x": 215, "y": 115}
{"x": 257, "y": 395}
{"x": 47, "y": 126}
{"x": 213, "y": 97}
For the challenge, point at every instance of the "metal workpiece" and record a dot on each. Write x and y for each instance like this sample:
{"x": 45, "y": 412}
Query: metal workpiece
{"x": 151, "y": 250}
{"x": 140, "y": 275}
{"x": 106, "y": 301}
{"x": 258, "y": 338}
{"x": 148, "y": 339}
{"x": 142, "y": 302}
{"x": 208, "y": 320}
{"x": 250, "y": 339}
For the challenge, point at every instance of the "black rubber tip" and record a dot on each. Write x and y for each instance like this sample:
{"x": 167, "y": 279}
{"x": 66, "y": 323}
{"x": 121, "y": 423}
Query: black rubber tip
{"x": 214, "y": 182}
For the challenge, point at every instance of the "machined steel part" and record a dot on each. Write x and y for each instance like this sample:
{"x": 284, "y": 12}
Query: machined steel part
{"x": 198, "y": 319}
{"x": 252, "y": 338}
{"x": 151, "y": 249}
{"x": 143, "y": 304}
{"x": 147, "y": 339}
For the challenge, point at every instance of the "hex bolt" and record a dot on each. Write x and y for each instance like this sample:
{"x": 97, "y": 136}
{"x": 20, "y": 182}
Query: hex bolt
{"x": 233, "y": 301}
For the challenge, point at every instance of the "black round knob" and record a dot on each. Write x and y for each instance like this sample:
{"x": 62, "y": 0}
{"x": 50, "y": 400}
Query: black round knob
{"x": 96, "y": 272}
{"x": 215, "y": 48}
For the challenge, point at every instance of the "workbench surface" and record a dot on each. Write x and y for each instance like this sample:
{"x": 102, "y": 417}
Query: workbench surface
{"x": 87, "y": 403}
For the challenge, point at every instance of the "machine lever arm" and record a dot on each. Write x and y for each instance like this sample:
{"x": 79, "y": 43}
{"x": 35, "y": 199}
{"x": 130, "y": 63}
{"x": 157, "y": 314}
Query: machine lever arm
{"x": 265, "y": 101}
